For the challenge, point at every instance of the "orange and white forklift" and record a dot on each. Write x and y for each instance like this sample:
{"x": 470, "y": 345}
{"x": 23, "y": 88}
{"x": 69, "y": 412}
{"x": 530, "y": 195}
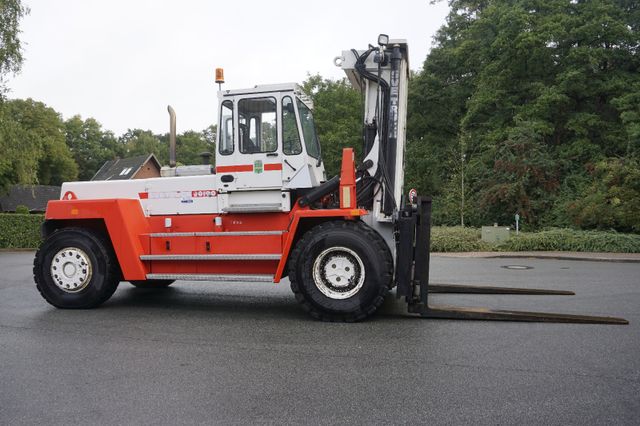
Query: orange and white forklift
{"x": 267, "y": 211}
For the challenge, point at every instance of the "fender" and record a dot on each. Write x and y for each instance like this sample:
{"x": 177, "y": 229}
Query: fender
{"x": 125, "y": 223}
{"x": 299, "y": 214}
{"x": 347, "y": 210}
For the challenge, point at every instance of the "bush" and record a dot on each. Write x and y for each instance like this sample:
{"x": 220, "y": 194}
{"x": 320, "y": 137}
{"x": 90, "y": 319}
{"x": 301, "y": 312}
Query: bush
{"x": 570, "y": 240}
{"x": 20, "y": 230}
{"x": 456, "y": 238}
{"x": 22, "y": 209}
{"x": 613, "y": 199}
{"x": 459, "y": 239}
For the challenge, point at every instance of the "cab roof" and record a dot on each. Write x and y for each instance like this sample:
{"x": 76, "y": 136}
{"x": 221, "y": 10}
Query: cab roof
{"x": 264, "y": 88}
{"x": 269, "y": 88}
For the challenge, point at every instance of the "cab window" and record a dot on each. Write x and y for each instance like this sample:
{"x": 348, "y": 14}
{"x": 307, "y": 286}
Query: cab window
{"x": 225, "y": 147}
{"x": 291, "y": 144}
{"x": 309, "y": 130}
{"x": 257, "y": 126}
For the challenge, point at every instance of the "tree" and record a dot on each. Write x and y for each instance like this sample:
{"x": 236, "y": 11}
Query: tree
{"x": 11, "y": 12}
{"x": 143, "y": 142}
{"x": 612, "y": 200}
{"x": 90, "y": 145}
{"x": 32, "y": 140}
{"x": 532, "y": 93}
{"x": 338, "y": 116}
{"x": 189, "y": 146}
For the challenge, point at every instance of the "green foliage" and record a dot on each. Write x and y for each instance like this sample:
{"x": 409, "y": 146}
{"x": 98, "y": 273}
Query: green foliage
{"x": 22, "y": 209}
{"x": 456, "y": 239}
{"x": 20, "y": 230}
{"x": 459, "y": 239}
{"x": 39, "y": 148}
{"x": 91, "y": 145}
{"x": 533, "y": 93}
{"x": 11, "y": 12}
{"x": 571, "y": 240}
{"x": 140, "y": 142}
{"x": 33, "y": 144}
{"x": 612, "y": 200}
{"x": 337, "y": 114}
{"x": 189, "y": 146}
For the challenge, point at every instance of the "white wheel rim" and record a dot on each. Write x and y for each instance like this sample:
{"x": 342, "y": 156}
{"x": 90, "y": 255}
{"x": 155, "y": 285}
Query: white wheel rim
{"x": 338, "y": 272}
{"x": 71, "y": 269}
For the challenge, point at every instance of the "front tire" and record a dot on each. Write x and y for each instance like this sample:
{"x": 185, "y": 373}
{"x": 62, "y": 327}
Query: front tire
{"x": 75, "y": 268}
{"x": 341, "y": 271}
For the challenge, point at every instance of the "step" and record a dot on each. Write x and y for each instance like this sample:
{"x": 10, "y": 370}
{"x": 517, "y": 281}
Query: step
{"x": 253, "y": 208}
{"x": 214, "y": 234}
{"x": 210, "y": 257}
{"x": 211, "y": 277}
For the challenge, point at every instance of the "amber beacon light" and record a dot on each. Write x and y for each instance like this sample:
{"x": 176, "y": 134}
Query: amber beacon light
{"x": 219, "y": 77}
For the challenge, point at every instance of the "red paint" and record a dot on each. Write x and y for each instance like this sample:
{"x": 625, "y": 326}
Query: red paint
{"x": 348, "y": 180}
{"x": 231, "y": 169}
{"x": 247, "y": 168}
{"x": 274, "y": 166}
{"x": 130, "y": 233}
{"x": 125, "y": 223}
{"x": 299, "y": 213}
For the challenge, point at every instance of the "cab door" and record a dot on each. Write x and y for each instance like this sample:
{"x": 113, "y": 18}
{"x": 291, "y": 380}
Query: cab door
{"x": 255, "y": 159}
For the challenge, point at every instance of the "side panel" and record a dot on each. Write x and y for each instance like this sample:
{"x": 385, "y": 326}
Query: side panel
{"x": 125, "y": 224}
{"x": 166, "y": 195}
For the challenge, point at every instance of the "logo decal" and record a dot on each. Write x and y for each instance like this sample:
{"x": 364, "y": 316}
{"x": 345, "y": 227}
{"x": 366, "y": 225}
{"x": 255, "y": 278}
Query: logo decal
{"x": 257, "y": 166}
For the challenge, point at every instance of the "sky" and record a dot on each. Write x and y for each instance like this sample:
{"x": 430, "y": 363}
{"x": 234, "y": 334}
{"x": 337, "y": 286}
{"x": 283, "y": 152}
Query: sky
{"x": 123, "y": 62}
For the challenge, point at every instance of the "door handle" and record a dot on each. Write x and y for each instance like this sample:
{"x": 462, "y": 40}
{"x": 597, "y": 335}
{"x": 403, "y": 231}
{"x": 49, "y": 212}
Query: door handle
{"x": 272, "y": 154}
{"x": 226, "y": 178}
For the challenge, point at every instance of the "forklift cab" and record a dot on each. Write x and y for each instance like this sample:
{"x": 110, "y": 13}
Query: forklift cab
{"x": 267, "y": 140}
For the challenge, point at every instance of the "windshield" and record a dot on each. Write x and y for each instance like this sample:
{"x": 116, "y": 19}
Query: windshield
{"x": 308, "y": 130}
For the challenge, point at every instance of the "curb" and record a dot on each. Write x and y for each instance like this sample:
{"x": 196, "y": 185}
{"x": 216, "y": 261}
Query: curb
{"x": 579, "y": 256}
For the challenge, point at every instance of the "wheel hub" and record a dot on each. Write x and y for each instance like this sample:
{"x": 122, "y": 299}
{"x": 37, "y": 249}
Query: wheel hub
{"x": 71, "y": 269}
{"x": 338, "y": 272}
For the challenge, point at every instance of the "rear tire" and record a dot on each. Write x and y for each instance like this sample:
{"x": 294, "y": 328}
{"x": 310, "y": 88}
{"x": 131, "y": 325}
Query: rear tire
{"x": 152, "y": 283}
{"x": 75, "y": 268}
{"x": 341, "y": 271}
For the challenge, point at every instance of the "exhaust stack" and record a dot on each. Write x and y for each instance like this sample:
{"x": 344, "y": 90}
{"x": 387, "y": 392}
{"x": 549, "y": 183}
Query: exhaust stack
{"x": 172, "y": 136}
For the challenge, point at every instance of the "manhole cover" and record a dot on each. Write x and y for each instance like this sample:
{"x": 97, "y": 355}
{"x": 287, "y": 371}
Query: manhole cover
{"x": 517, "y": 267}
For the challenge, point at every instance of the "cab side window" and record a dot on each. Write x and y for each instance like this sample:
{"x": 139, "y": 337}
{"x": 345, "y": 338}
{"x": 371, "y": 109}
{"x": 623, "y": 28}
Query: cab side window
{"x": 290, "y": 136}
{"x": 225, "y": 147}
{"x": 309, "y": 130}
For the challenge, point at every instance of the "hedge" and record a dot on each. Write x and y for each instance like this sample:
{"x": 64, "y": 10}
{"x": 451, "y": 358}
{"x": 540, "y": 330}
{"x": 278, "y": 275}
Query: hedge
{"x": 456, "y": 239}
{"x": 451, "y": 239}
{"x": 23, "y": 231}
{"x": 572, "y": 240}
{"x": 20, "y": 230}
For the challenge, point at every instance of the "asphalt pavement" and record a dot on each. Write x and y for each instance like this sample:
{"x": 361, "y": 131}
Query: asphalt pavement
{"x": 228, "y": 353}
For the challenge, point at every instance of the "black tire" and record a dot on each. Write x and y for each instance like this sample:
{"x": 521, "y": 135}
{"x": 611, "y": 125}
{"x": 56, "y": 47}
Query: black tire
{"x": 353, "y": 244}
{"x": 152, "y": 283}
{"x": 94, "y": 287}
